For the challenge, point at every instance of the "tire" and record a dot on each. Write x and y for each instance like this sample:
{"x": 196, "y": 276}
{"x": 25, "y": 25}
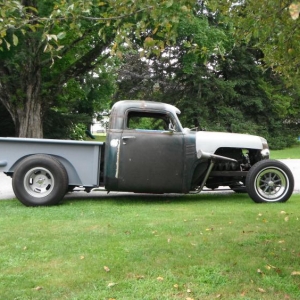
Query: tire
{"x": 269, "y": 181}
{"x": 40, "y": 180}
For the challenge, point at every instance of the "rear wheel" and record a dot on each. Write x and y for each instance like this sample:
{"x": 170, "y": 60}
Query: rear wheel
{"x": 270, "y": 181}
{"x": 40, "y": 180}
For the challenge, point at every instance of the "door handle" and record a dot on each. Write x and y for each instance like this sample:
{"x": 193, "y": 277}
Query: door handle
{"x": 127, "y": 137}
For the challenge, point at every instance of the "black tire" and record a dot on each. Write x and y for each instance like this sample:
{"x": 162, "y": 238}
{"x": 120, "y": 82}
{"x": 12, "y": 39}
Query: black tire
{"x": 269, "y": 181}
{"x": 40, "y": 180}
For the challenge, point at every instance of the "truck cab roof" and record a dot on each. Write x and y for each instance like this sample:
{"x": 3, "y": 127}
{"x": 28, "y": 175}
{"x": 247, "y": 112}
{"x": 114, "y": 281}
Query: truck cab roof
{"x": 121, "y": 108}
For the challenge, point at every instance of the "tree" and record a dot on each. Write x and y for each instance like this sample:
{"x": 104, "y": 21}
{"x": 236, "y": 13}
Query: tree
{"x": 223, "y": 90}
{"x": 79, "y": 102}
{"x": 45, "y": 45}
{"x": 270, "y": 28}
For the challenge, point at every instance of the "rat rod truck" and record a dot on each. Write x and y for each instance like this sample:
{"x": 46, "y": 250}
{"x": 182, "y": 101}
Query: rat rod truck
{"x": 146, "y": 151}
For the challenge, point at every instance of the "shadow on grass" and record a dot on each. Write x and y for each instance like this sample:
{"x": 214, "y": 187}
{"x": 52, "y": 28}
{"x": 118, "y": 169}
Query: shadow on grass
{"x": 214, "y": 198}
{"x": 127, "y": 198}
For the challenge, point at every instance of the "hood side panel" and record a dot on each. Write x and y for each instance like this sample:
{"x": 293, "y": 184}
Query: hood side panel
{"x": 211, "y": 141}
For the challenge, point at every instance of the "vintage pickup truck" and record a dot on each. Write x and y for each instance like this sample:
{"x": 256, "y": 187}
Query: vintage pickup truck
{"x": 146, "y": 151}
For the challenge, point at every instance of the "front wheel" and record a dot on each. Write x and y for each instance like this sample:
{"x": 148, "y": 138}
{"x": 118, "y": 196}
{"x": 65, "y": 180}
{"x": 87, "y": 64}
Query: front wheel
{"x": 40, "y": 180}
{"x": 269, "y": 181}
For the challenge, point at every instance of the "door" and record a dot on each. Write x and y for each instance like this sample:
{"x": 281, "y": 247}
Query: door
{"x": 151, "y": 154}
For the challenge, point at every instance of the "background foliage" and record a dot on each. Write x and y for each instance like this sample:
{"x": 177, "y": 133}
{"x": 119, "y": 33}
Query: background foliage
{"x": 223, "y": 87}
{"x": 229, "y": 68}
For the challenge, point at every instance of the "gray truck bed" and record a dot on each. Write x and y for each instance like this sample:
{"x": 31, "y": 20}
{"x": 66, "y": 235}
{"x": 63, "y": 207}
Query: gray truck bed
{"x": 81, "y": 159}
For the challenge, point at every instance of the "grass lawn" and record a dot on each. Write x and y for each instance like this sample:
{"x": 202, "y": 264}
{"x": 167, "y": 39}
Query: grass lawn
{"x": 97, "y": 138}
{"x": 206, "y": 246}
{"x": 293, "y": 152}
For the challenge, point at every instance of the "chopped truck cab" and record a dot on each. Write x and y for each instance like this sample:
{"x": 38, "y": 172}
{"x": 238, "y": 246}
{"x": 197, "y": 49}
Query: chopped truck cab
{"x": 146, "y": 151}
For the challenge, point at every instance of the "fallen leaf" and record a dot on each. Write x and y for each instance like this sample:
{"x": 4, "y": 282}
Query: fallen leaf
{"x": 261, "y": 290}
{"x": 81, "y": 257}
{"x": 281, "y": 242}
{"x": 286, "y": 219}
{"x": 218, "y": 296}
{"x": 176, "y": 286}
{"x": 188, "y": 290}
{"x": 107, "y": 269}
{"x": 294, "y": 10}
{"x": 283, "y": 212}
{"x": 294, "y": 273}
{"x": 159, "y": 278}
{"x": 188, "y": 298}
{"x": 111, "y": 284}
{"x": 38, "y": 288}
{"x": 259, "y": 271}
{"x": 269, "y": 267}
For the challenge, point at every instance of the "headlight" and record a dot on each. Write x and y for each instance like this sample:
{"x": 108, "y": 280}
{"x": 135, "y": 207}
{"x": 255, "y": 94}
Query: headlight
{"x": 265, "y": 152}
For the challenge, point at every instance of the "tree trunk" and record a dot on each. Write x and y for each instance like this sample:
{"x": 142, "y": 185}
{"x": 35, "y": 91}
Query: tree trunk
{"x": 30, "y": 119}
{"x": 22, "y": 99}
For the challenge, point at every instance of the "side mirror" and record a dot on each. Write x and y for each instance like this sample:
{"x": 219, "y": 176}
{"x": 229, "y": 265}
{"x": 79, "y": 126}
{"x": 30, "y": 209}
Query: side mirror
{"x": 171, "y": 127}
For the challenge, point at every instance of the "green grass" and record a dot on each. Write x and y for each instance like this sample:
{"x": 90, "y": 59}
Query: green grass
{"x": 97, "y": 138}
{"x": 293, "y": 153}
{"x": 207, "y": 246}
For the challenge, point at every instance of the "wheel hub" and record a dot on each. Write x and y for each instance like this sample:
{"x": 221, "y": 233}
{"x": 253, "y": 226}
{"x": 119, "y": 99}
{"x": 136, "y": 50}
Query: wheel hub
{"x": 41, "y": 181}
{"x": 271, "y": 183}
{"x": 38, "y": 182}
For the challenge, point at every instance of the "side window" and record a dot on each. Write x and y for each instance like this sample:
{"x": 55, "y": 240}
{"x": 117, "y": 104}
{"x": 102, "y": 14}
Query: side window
{"x": 149, "y": 121}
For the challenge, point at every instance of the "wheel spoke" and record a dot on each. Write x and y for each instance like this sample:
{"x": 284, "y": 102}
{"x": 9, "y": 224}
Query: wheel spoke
{"x": 271, "y": 184}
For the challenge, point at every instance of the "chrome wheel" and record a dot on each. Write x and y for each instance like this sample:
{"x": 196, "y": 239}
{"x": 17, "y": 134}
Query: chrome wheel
{"x": 271, "y": 184}
{"x": 39, "y": 182}
{"x": 269, "y": 181}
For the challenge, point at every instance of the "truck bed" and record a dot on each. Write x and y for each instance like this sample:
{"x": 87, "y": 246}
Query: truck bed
{"x": 81, "y": 159}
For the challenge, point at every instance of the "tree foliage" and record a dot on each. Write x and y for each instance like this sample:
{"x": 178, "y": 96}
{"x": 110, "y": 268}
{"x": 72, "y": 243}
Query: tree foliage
{"x": 226, "y": 89}
{"x": 48, "y": 47}
{"x": 272, "y": 29}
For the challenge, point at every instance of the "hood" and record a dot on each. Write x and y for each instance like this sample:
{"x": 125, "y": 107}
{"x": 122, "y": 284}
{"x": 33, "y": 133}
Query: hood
{"x": 209, "y": 141}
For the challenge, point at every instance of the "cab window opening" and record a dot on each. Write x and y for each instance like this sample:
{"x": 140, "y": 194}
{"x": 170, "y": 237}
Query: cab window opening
{"x": 149, "y": 121}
